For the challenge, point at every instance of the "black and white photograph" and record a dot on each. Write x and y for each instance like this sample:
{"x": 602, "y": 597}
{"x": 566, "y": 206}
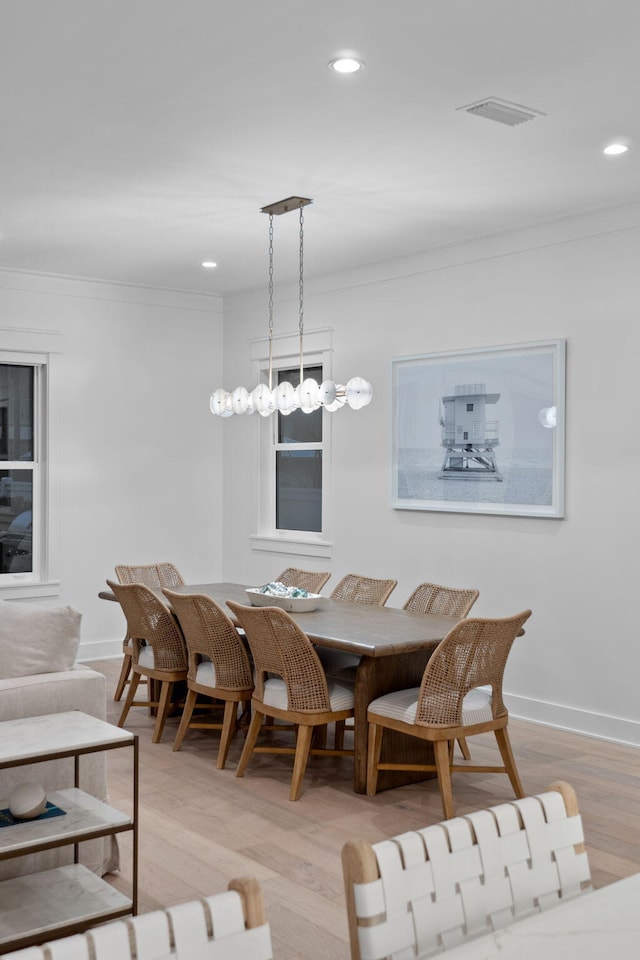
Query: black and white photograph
{"x": 481, "y": 431}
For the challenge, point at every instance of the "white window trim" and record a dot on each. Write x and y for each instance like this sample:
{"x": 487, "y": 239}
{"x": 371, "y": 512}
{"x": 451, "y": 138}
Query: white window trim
{"x": 286, "y": 354}
{"x": 37, "y": 583}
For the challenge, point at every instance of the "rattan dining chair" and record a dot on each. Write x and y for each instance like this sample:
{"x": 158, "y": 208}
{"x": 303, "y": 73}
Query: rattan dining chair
{"x": 355, "y": 588}
{"x": 290, "y": 685}
{"x": 159, "y": 651}
{"x": 426, "y": 891}
{"x": 156, "y": 575}
{"x": 309, "y": 580}
{"x": 460, "y": 696}
{"x": 448, "y": 602}
{"x": 218, "y": 666}
{"x": 228, "y": 924}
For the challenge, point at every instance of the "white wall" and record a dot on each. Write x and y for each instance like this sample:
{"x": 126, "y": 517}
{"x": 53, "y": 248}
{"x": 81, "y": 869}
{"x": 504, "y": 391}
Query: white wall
{"x": 577, "y": 666}
{"x": 135, "y": 466}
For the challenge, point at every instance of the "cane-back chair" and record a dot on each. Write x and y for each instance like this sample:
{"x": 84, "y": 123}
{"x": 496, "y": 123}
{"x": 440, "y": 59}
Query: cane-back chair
{"x": 219, "y": 666}
{"x": 290, "y": 685}
{"x": 309, "y": 580}
{"x": 355, "y": 588}
{"x": 448, "y": 602}
{"x": 225, "y": 925}
{"x": 153, "y": 575}
{"x": 159, "y": 652}
{"x": 460, "y": 696}
{"x": 426, "y": 891}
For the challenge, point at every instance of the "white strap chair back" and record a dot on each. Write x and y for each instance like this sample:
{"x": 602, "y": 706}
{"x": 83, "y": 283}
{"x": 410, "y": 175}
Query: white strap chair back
{"x": 431, "y": 889}
{"x": 214, "y": 928}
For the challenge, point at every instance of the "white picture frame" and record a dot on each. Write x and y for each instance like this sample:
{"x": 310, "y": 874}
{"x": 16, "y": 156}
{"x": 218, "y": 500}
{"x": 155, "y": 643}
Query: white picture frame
{"x": 481, "y": 430}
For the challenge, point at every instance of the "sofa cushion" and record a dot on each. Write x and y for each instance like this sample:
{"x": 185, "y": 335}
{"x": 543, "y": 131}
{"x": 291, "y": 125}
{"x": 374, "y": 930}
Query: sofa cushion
{"x": 37, "y": 639}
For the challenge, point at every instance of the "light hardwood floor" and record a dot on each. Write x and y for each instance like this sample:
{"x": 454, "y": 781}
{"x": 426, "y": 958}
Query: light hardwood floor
{"x": 200, "y": 826}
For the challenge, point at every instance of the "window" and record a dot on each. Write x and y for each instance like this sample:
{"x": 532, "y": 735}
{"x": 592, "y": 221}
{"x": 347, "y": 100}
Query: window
{"x": 298, "y": 463}
{"x": 21, "y": 493}
{"x": 469, "y": 408}
{"x": 293, "y": 506}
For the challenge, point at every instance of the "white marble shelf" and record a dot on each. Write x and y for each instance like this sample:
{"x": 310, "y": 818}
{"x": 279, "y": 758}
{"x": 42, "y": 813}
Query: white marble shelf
{"x": 35, "y": 906}
{"x": 41, "y": 738}
{"x": 84, "y": 815}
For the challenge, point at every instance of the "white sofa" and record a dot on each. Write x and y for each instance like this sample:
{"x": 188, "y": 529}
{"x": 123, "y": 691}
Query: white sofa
{"x": 36, "y": 694}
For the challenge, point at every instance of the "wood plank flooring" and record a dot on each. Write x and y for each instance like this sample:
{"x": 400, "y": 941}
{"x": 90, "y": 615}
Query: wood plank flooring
{"x": 199, "y": 826}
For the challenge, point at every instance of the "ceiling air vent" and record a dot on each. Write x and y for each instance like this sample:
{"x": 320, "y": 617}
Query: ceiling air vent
{"x": 492, "y": 108}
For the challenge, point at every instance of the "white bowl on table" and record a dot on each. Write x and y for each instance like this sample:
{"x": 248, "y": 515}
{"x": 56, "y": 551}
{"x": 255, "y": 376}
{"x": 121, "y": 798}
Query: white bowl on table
{"x": 290, "y": 604}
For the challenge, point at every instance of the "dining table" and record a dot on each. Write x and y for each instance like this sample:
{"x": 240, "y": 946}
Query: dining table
{"x": 393, "y": 647}
{"x": 595, "y": 925}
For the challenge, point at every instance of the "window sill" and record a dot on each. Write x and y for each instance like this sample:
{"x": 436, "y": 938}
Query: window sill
{"x": 293, "y": 546}
{"x": 27, "y": 591}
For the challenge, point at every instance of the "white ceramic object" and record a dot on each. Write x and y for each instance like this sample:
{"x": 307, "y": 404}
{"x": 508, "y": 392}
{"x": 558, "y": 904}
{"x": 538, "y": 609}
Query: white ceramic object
{"x": 27, "y": 800}
{"x": 291, "y": 604}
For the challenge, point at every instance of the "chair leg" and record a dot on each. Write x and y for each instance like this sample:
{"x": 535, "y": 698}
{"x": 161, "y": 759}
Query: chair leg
{"x": 338, "y": 741}
{"x": 464, "y": 748}
{"x": 189, "y": 704}
{"x": 303, "y": 745}
{"x": 249, "y": 744}
{"x": 166, "y": 689}
{"x": 133, "y": 686}
{"x": 504, "y": 745}
{"x": 125, "y": 670}
{"x": 373, "y": 757}
{"x": 441, "y": 751}
{"x": 229, "y": 724}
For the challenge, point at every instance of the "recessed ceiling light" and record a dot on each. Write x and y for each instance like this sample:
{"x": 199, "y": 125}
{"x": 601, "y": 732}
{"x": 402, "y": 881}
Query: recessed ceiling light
{"x": 346, "y": 65}
{"x": 615, "y": 149}
{"x": 209, "y": 264}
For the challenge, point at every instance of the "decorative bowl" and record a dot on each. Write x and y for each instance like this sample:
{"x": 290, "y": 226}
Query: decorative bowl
{"x": 291, "y": 604}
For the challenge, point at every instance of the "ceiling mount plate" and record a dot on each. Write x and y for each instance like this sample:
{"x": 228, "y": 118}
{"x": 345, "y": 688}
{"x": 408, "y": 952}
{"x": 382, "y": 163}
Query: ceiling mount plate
{"x": 284, "y": 206}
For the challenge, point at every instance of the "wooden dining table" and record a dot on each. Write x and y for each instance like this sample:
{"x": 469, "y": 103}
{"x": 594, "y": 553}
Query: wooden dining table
{"x": 394, "y": 647}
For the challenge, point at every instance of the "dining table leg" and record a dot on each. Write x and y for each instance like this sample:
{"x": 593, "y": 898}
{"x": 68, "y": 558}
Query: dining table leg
{"x": 376, "y": 676}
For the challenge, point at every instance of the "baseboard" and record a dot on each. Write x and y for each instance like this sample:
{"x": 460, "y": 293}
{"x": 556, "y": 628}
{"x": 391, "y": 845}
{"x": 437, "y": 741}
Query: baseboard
{"x": 99, "y": 650}
{"x": 574, "y": 720}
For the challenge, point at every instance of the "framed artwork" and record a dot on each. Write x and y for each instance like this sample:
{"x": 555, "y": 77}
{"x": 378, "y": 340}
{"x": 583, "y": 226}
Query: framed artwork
{"x": 480, "y": 431}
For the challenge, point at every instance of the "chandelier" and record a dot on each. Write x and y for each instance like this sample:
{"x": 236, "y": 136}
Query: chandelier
{"x": 309, "y": 395}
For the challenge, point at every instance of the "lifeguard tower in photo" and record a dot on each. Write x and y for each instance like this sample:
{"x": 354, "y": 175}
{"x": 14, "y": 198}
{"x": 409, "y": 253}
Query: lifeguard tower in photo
{"x": 467, "y": 434}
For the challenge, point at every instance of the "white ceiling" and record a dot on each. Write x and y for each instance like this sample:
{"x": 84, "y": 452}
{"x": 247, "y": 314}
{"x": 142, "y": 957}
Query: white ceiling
{"x": 139, "y": 137}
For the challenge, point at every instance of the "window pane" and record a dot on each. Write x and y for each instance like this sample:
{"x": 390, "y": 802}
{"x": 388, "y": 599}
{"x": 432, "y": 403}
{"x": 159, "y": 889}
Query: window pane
{"x": 299, "y": 490}
{"x": 16, "y": 494}
{"x": 16, "y": 412}
{"x": 300, "y": 427}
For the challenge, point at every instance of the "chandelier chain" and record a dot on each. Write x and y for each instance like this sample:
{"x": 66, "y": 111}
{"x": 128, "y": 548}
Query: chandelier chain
{"x": 301, "y": 295}
{"x": 270, "y": 301}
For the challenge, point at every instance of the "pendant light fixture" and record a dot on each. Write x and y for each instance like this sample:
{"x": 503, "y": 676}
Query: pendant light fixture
{"x": 309, "y": 395}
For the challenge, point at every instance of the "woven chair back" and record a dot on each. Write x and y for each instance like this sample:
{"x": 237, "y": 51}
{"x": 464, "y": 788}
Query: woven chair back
{"x": 279, "y": 646}
{"x": 305, "y": 579}
{"x": 426, "y": 891}
{"x": 151, "y": 621}
{"x": 473, "y": 654}
{"x": 152, "y": 574}
{"x": 444, "y": 601}
{"x": 366, "y": 590}
{"x": 209, "y": 632}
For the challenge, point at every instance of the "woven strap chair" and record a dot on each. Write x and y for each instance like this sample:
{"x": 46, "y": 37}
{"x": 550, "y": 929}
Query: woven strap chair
{"x": 309, "y": 580}
{"x": 225, "y": 925}
{"x": 447, "y": 602}
{"x": 290, "y": 685}
{"x": 425, "y": 891}
{"x": 460, "y": 696}
{"x": 357, "y": 589}
{"x": 218, "y": 665}
{"x": 159, "y": 651}
{"x": 153, "y": 575}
